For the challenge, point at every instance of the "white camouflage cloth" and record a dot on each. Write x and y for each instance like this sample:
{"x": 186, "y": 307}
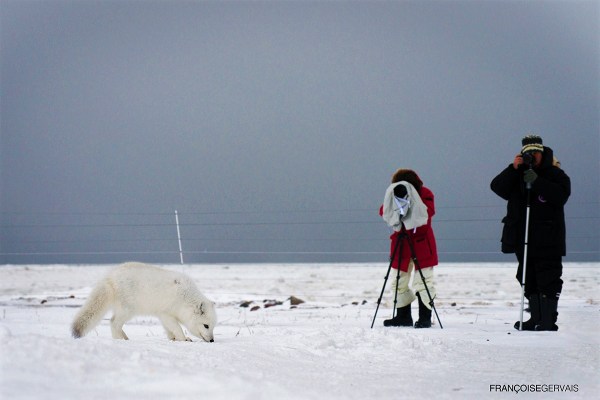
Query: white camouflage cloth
{"x": 416, "y": 215}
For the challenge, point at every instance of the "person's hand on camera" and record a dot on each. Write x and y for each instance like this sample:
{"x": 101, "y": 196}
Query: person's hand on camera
{"x": 518, "y": 161}
{"x": 529, "y": 176}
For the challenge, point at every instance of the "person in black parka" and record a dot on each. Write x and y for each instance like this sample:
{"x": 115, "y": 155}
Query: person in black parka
{"x": 549, "y": 192}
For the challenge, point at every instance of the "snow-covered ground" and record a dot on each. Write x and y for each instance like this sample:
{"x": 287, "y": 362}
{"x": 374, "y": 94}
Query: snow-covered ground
{"x": 321, "y": 349}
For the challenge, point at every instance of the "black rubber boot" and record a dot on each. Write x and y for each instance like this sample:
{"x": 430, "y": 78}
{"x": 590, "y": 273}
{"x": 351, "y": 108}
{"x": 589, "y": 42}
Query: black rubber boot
{"x": 534, "y": 308}
{"x": 424, "y": 320}
{"x": 403, "y": 317}
{"x": 549, "y": 314}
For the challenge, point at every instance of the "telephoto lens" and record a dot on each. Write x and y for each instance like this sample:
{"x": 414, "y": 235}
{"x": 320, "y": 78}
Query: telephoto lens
{"x": 528, "y": 158}
{"x": 400, "y": 191}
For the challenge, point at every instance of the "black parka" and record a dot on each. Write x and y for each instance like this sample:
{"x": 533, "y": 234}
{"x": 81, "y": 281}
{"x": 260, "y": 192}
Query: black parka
{"x": 549, "y": 193}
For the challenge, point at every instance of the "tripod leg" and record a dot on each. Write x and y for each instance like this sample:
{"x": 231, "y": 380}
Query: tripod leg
{"x": 396, "y": 293}
{"x": 385, "y": 280}
{"x": 397, "y": 278}
{"x": 430, "y": 298}
{"x": 381, "y": 295}
{"x": 416, "y": 262}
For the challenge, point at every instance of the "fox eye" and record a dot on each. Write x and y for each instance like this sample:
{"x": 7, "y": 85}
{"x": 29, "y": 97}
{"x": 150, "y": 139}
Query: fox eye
{"x": 206, "y": 326}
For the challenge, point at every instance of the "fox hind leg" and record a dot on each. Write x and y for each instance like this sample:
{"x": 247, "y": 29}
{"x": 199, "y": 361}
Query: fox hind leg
{"x": 116, "y": 326}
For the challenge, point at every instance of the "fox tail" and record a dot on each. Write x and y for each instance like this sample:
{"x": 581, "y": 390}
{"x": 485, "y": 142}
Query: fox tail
{"x": 93, "y": 310}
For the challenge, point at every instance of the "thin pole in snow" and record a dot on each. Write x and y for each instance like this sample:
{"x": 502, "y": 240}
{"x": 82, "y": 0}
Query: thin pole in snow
{"x": 179, "y": 237}
{"x": 528, "y": 188}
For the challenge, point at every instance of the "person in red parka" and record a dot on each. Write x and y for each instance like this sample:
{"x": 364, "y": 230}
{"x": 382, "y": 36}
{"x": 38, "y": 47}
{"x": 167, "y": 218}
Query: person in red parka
{"x": 425, "y": 248}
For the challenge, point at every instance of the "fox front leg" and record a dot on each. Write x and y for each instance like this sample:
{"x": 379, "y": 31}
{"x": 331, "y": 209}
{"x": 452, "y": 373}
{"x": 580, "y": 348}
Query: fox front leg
{"x": 173, "y": 329}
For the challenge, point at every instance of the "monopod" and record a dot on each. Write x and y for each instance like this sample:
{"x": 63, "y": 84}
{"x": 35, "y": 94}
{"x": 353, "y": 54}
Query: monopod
{"x": 528, "y": 188}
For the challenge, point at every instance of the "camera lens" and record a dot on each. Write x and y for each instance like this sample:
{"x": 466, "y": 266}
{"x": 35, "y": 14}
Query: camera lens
{"x": 528, "y": 158}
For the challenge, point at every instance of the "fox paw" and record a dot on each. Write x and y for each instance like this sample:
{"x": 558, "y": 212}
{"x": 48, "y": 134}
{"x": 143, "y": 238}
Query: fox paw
{"x": 180, "y": 339}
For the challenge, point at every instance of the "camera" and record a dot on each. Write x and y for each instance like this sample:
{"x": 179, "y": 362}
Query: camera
{"x": 400, "y": 191}
{"x": 528, "y": 158}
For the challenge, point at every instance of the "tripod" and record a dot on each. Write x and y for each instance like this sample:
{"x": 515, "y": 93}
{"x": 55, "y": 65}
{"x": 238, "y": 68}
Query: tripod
{"x": 399, "y": 243}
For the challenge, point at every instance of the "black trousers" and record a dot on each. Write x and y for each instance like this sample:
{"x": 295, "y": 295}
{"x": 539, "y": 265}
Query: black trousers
{"x": 543, "y": 276}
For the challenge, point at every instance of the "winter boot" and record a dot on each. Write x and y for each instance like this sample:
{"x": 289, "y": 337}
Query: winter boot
{"x": 534, "y": 308}
{"x": 424, "y": 320}
{"x": 548, "y": 307}
{"x": 402, "y": 318}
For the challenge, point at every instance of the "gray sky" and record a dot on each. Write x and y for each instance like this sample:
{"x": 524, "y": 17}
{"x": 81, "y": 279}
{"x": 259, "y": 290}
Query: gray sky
{"x": 274, "y": 127}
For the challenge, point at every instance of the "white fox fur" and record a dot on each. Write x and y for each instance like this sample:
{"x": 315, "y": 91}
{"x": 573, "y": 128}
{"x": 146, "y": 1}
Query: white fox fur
{"x": 133, "y": 289}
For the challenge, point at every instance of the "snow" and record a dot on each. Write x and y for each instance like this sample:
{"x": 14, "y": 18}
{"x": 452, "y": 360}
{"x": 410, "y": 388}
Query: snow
{"x": 321, "y": 349}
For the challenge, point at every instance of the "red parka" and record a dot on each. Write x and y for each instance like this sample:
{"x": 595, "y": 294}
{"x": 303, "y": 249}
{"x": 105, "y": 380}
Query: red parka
{"x": 423, "y": 239}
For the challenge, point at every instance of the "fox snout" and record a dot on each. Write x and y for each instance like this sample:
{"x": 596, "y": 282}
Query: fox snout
{"x": 210, "y": 339}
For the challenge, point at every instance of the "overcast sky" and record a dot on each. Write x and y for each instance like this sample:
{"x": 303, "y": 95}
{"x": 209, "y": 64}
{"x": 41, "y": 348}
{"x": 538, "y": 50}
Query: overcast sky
{"x": 274, "y": 127}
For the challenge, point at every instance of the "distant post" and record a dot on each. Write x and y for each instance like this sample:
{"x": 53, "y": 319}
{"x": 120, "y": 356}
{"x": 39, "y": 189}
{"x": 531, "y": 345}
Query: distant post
{"x": 179, "y": 237}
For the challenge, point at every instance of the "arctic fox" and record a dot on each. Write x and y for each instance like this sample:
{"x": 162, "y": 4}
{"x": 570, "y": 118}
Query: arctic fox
{"x": 140, "y": 289}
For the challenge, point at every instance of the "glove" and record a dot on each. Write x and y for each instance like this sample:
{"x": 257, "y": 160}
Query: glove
{"x": 529, "y": 176}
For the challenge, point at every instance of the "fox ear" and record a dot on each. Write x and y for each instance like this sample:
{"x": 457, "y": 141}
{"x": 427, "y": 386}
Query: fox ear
{"x": 199, "y": 309}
